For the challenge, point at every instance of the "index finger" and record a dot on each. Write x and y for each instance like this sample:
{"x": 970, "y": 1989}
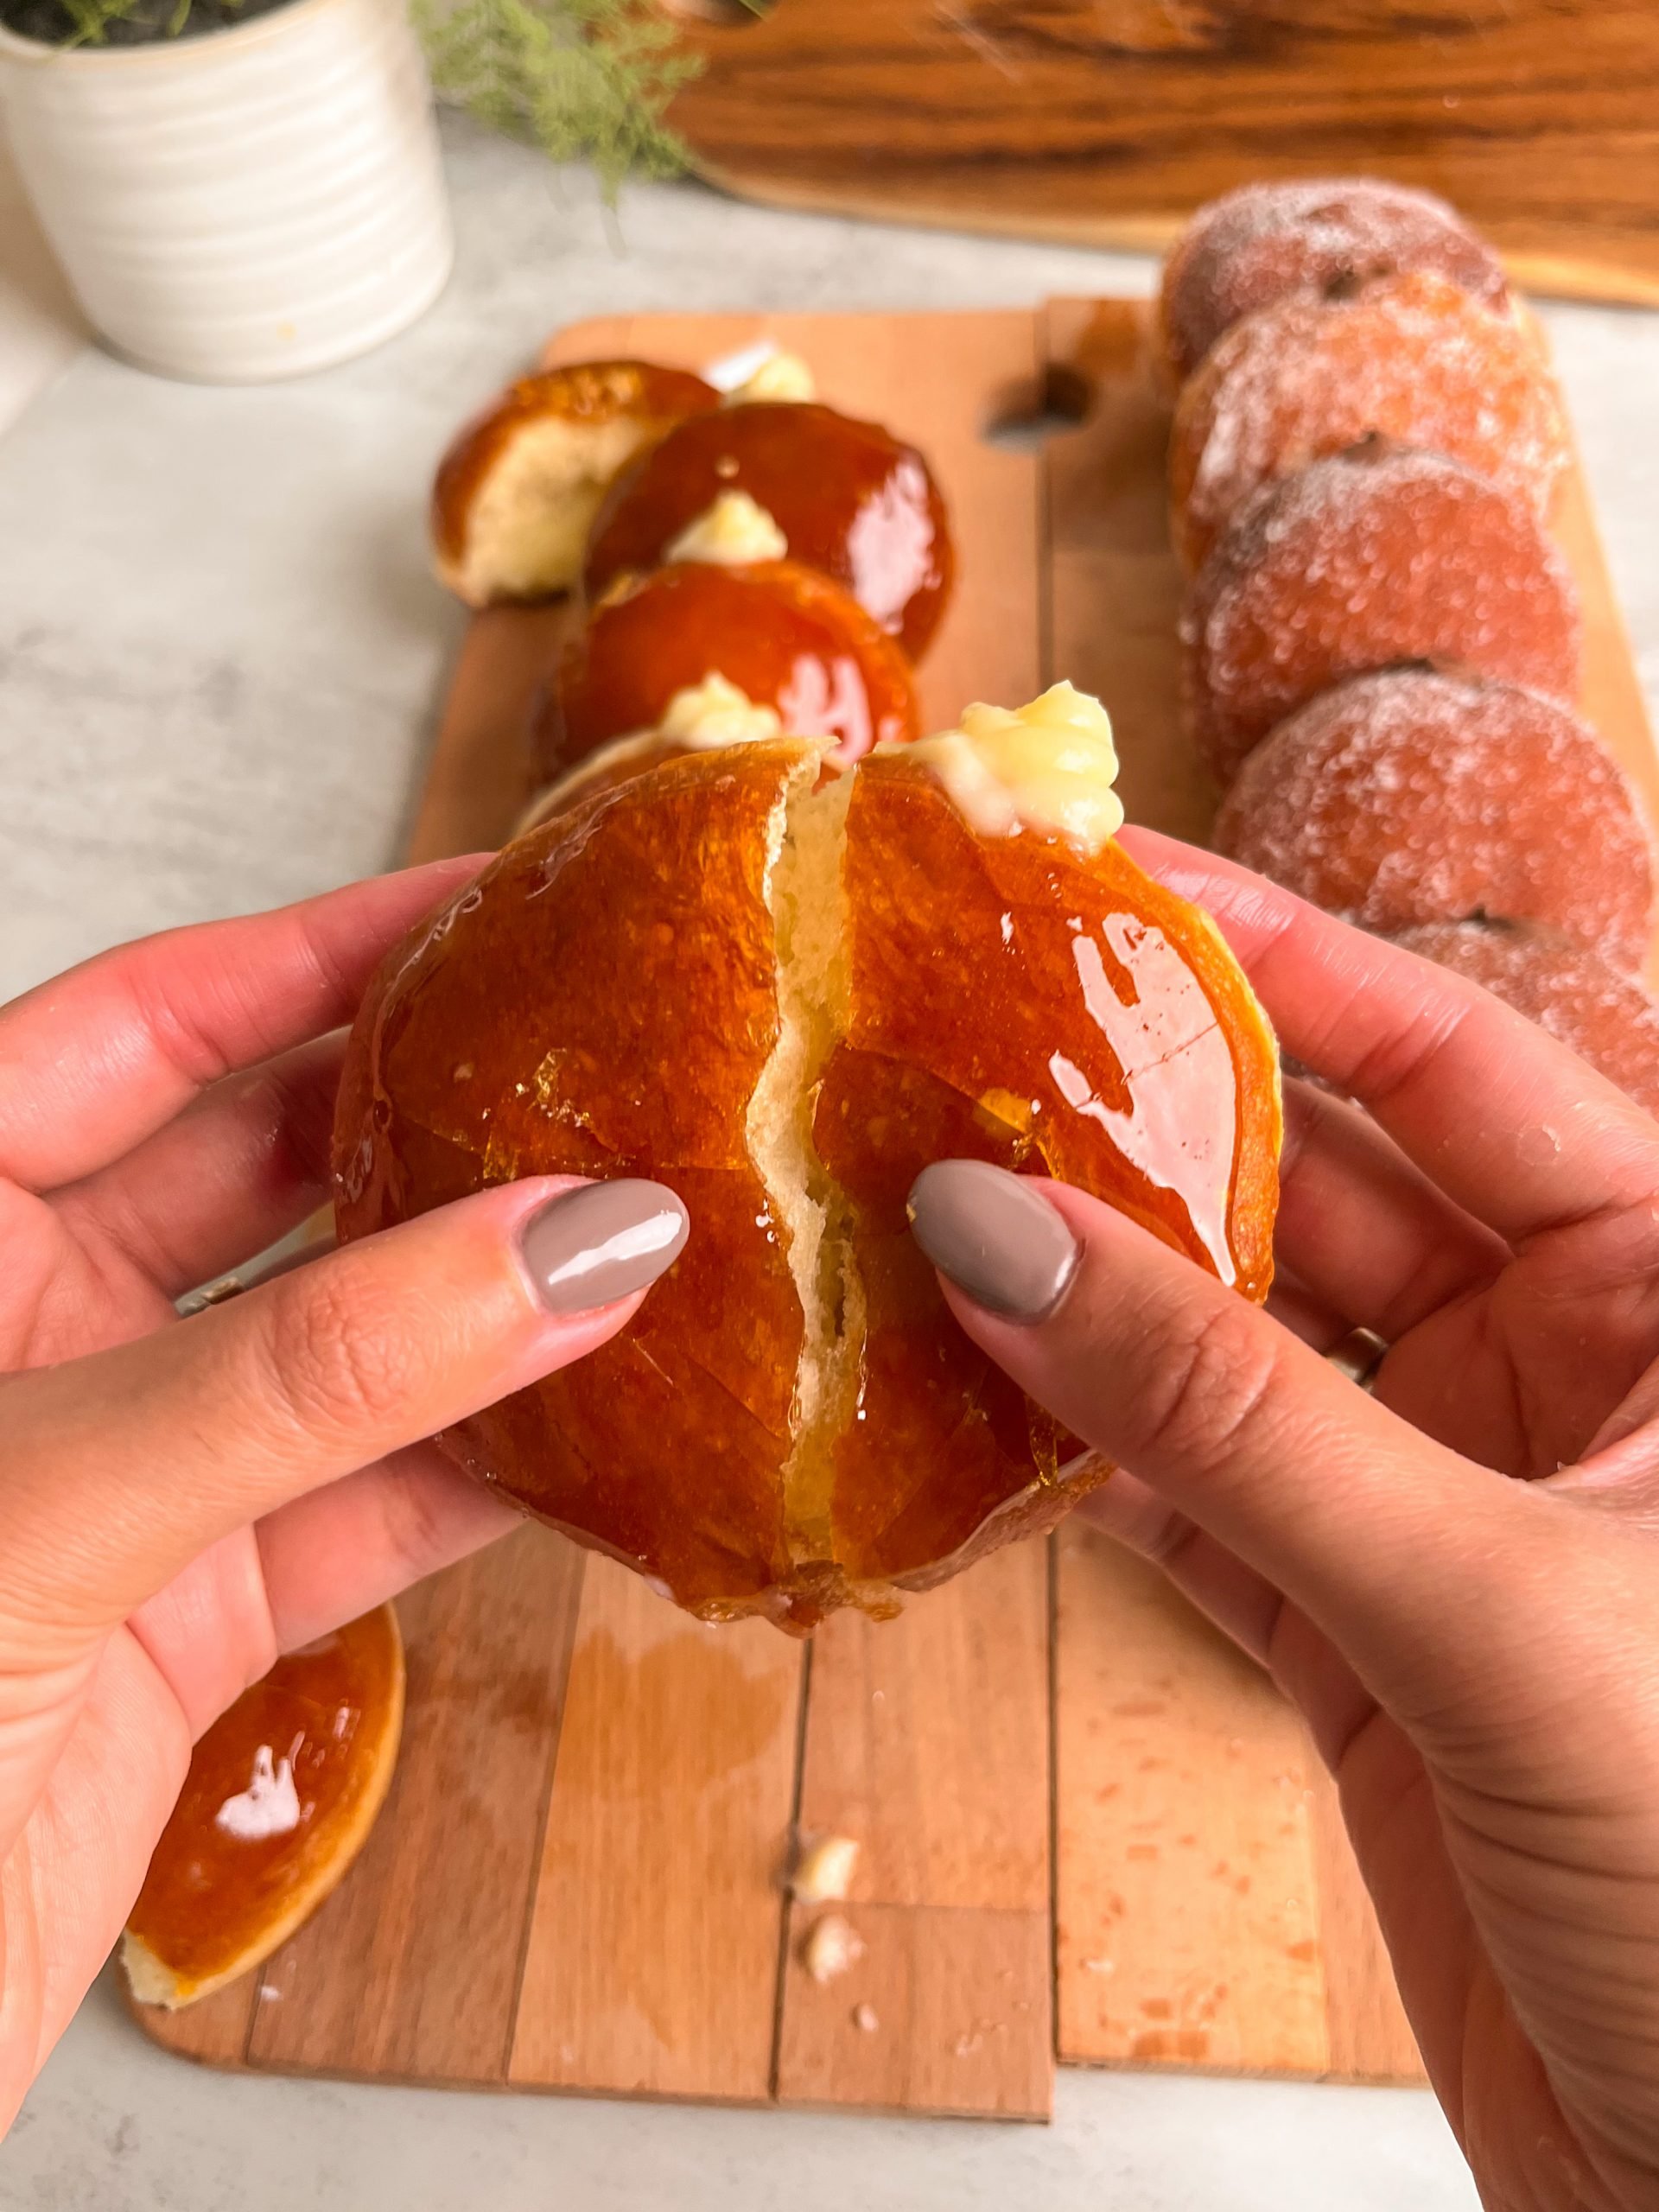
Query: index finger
{"x": 1507, "y": 1121}
{"x": 94, "y": 1061}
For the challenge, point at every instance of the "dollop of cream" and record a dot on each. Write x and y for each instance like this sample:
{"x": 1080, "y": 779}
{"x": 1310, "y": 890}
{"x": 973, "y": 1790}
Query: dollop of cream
{"x": 733, "y": 533}
{"x": 777, "y": 376}
{"x": 702, "y": 717}
{"x": 1049, "y": 766}
{"x": 715, "y": 712}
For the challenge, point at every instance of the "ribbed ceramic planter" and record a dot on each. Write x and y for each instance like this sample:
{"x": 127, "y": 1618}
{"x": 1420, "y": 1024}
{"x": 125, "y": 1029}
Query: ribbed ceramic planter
{"x": 251, "y": 204}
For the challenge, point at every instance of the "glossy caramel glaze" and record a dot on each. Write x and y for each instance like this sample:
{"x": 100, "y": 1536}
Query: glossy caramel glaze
{"x": 602, "y": 1003}
{"x": 787, "y": 636}
{"x": 1011, "y": 1001}
{"x": 850, "y": 499}
{"x": 585, "y": 395}
{"x": 605, "y": 1001}
{"x": 282, "y": 1790}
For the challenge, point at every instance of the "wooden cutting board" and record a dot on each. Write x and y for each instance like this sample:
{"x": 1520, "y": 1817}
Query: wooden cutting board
{"x": 1089, "y": 1828}
{"x": 1102, "y": 122}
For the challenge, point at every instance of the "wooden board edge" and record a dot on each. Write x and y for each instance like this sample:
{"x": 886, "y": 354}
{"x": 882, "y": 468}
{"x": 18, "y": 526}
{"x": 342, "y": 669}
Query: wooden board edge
{"x": 1612, "y": 281}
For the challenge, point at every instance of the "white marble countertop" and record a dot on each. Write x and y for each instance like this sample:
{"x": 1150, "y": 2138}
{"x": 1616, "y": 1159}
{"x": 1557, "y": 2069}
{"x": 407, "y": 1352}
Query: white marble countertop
{"x": 219, "y": 657}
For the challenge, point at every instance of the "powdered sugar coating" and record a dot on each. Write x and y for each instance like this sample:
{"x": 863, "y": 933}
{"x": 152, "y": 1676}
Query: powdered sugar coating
{"x": 1409, "y": 798}
{"x": 1316, "y": 234}
{"x": 1412, "y": 359}
{"x": 1361, "y": 562}
{"x": 1606, "y": 1018}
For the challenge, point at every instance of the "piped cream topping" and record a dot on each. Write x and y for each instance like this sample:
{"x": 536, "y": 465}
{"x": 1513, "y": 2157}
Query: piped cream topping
{"x": 715, "y": 712}
{"x": 777, "y": 376}
{"x": 733, "y": 533}
{"x": 1050, "y": 766}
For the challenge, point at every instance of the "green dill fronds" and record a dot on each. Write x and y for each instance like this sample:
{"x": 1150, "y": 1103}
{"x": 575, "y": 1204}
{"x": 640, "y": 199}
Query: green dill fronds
{"x": 583, "y": 79}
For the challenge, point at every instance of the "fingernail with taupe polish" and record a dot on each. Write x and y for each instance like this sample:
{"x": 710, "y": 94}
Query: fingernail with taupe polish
{"x": 995, "y": 1235}
{"x": 593, "y": 1245}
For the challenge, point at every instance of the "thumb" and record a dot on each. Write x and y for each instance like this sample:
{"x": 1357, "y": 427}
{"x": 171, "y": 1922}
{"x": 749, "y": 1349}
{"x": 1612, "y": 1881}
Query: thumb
{"x": 1425, "y": 1571}
{"x": 123, "y": 1466}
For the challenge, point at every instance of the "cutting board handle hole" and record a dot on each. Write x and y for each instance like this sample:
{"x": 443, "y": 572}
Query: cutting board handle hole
{"x": 1024, "y": 417}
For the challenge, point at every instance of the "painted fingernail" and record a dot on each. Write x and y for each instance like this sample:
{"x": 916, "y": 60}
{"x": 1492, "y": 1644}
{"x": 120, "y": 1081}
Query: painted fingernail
{"x": 591, "y": 1246}
{"x": 995, "y": 1237}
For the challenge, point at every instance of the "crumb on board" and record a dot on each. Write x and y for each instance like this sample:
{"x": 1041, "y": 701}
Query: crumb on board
{"x": 822, "y": 1872}
{"x": 832, "y": 1945}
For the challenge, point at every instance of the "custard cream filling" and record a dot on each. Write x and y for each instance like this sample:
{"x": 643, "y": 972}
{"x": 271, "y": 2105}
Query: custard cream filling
{"x": 733, "y": 533}
{"x": 1050, "y": 766}
{"x": 779, "y": 376}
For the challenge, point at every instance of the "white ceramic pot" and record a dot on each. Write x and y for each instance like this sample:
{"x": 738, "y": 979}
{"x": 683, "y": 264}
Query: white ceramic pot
{"x": 250, "y": 204}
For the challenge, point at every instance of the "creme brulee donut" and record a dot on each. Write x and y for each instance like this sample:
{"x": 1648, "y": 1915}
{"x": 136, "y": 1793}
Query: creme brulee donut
{"x": 1411, "y": 359}
{"x": 771, "y": 479}
{"x": 281, "y": 1792}
{"x": 518, "y": 487}
{"x": 1606, "y": 1018}
{"x": 785, "y": 637}
{"x": 1409, "y": 797}
{"x": 1322, "y": 235}
{"x": 1371, "y": 558}
{"x": 784, "y": 1000}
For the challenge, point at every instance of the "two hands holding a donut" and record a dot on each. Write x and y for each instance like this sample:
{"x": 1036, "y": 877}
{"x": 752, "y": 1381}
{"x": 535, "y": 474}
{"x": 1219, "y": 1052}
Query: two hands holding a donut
{"x": 1456, "y": 1578}
{"x": 1453, "y": 1571}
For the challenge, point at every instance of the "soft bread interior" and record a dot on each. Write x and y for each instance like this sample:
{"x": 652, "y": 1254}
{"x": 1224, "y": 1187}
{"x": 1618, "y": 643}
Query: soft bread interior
{"x": 808, "y": 914}
{"x": 530, "y": 514}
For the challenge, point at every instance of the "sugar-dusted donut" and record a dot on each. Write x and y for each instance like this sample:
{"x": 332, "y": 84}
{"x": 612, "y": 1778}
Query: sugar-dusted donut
{"x": 1607, "y": 1017}
{"x": 1412, "y": 359}
{"x": 1411, "y": 796}
{"x": 1309, "y": 234}
{"x": 1373, "y": 557}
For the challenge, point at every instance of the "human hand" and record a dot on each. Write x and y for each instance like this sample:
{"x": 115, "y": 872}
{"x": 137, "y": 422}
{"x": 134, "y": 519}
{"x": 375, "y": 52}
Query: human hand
{"x": 1477, "y": 1655}
{"x": 180, "y": 1501}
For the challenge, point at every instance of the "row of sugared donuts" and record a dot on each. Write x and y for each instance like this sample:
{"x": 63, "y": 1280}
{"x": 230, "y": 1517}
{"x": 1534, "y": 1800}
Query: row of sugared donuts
{"x": 1381, "y": 641}
{"x": 747, "y": 562}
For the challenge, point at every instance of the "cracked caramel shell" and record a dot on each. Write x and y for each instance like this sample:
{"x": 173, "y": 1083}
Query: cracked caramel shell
{"x": 281, "y": 1792}
{"x": 787, "y": 636}
{"x": 783, "y": 999}
{"x": 851, "y": 500}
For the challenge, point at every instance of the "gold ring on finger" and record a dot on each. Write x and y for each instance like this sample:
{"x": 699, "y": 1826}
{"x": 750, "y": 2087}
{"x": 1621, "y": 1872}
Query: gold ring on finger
{"x": 1359, "y": 1355}
{"x": 211, "y": 1293}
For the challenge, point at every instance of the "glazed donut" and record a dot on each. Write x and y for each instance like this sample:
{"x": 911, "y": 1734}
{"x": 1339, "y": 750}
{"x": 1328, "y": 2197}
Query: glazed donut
{"x": 785, "y": 637}
{"x": 1412, "y": 360}
{"x": 1371, "y": 558}
{"x": 281, "y": 1792}
{"x": 783, "y": 999}
{"x": 518, "y": 489}
{"x": 759, "y": 481}
{"x": 1409, "y": 797}
{"x": 1606, "y": 1018}
{"x": 1326, "y": 235}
